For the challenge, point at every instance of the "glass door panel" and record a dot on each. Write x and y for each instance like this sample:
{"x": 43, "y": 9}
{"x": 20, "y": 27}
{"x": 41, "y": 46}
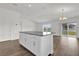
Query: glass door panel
{"x": 69, "y": 29}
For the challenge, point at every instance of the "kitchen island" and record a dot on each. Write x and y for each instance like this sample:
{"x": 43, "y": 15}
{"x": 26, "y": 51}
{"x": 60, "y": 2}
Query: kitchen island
{"x": 38, "y": 43}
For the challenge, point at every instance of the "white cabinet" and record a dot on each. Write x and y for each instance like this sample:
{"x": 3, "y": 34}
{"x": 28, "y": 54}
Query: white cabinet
{"x": 35, "y": 45}
{"x": 38, "y": 45}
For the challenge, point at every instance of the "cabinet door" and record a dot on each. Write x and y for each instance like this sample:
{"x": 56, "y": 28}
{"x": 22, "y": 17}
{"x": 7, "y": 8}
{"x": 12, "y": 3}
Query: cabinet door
{"x": 35, "y": 45}
{"x": 27, "y": 41}
{"x": 22, "y": 38}
{"x": 46, "y": 45}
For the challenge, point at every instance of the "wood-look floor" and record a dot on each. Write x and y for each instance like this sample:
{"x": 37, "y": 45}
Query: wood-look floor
{"x": 13, "y": 48}
{"x": 66, "y": 46}
{"x": 62, "y": 47}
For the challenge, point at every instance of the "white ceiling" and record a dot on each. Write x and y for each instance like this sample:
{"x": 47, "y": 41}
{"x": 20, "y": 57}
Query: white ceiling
{"x": 41, "y": 12}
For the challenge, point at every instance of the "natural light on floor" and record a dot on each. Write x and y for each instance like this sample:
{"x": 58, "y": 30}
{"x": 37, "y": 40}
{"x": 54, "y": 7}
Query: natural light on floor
{"x": 71, "y": 44}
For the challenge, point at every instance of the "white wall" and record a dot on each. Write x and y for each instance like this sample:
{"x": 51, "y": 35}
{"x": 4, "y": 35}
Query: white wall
{"x": 55, "y": 26}
{"x": 8, "y": 28}
{"x": 39, "y": 27}
{"x": 8, "y": 19}
{"x": 28, "y": 25}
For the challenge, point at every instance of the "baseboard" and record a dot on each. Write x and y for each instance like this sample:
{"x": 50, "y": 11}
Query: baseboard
{"x": 7, "y": 40}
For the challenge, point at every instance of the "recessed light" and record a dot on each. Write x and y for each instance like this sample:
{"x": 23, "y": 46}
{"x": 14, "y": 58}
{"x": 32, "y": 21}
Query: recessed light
{"x": 29, "y": 5}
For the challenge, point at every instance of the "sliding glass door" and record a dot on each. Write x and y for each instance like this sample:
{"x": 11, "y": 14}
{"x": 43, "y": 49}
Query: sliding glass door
{"x": 69, "y": 29}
